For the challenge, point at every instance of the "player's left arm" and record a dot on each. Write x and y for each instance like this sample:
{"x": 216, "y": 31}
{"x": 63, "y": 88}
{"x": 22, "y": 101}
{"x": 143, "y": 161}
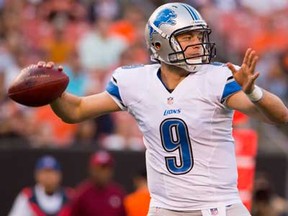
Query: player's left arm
{"x": 253, "y": 100}
{"x": 269, "y": 109}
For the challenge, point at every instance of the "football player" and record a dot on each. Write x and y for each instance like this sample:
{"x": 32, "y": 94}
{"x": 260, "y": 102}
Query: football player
{"x": 184, "y": 107}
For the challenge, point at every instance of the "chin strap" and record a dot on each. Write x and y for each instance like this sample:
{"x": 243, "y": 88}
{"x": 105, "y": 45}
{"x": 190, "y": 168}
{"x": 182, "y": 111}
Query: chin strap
{"x": 190, "y": 68}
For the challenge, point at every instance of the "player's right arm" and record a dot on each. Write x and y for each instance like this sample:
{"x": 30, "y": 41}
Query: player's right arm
{"x": 74, "y": 109}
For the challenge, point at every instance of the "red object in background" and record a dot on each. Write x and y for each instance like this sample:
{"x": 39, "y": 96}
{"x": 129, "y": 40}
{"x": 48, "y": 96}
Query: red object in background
{"x": 246, "y": 142}
{"x": 240, "y": 118}
{"x": 36, "y": 86}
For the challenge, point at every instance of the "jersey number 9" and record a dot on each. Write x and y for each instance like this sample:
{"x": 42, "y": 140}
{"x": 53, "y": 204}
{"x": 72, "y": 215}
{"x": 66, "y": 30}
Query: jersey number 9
{"x": 175, "y": 137}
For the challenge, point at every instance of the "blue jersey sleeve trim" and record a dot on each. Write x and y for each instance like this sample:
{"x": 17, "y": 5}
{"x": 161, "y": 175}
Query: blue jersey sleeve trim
{"x": 230, "y": 88}
{"x": 113, "y": 89}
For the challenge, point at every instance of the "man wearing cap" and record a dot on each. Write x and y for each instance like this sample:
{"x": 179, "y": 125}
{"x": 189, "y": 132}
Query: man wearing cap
{"x": 99, "y": 195}
{"x": 47, "y": 197}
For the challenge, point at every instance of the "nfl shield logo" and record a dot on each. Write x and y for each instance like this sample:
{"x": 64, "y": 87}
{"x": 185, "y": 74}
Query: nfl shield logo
{"x": 170, "y": 100}
{"x": 214, "y": 211}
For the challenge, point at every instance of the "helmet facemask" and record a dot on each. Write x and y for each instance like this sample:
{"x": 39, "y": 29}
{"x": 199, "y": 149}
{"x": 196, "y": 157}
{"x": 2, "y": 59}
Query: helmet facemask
{"x": 207, "y": 49}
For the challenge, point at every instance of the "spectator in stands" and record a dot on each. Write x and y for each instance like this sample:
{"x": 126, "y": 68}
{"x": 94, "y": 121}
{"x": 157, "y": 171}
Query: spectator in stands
{"x": 13, "y": 123}
{"x": 126, "y": 135}
{"x": 99, "y": 195}
{"x": 137, "y": 203}
{"x": 85, "y": 135}
{"x": 265, "y": 201}
{"x": 79, "y": 82}
{"x": 108, "y": 9}
{"x": 99, "y": 50}
{"x": 49, "y": 131}
{"x": 47, "y": 197}
{"x": 129, "y": 25}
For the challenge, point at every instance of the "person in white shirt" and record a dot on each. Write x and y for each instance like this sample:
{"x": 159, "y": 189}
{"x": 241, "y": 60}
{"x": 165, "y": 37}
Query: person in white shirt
{"x": 47, "y": 197}
{"x": 184, "y": 107}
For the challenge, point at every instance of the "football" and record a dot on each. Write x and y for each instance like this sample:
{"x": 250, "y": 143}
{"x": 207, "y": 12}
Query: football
{"x": 38, "y": 86}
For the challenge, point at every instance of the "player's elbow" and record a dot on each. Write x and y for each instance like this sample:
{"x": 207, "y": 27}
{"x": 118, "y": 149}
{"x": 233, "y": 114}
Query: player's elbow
{"x": 69, "y": 120}
{"x": 282, "y": 119}
{"x": 68, "y": 117}
{"x": 285, "y": 119}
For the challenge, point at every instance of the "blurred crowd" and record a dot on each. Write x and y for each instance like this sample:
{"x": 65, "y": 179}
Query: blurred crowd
{"x": 91, "y": 38}
{"x": 96, "y": 195}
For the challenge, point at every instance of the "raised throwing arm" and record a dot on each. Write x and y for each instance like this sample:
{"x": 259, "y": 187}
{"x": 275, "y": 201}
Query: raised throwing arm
{"x": 73, "y": 109}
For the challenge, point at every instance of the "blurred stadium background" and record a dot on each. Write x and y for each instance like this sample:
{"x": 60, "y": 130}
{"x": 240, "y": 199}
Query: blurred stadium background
{"x": 90, "y": 38}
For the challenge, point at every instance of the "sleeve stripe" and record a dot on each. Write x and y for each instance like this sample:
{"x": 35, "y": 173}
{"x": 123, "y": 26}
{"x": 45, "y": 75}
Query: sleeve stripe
{"x": 121, "y": 105}
{"x": 230, "y": 88}
{"x": 113, "y": 90}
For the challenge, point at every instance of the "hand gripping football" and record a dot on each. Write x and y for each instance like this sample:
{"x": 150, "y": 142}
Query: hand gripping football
{"x": 38, "y": 86}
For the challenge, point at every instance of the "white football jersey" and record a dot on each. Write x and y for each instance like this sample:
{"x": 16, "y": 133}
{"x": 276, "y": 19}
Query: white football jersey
{"x": 190, "y": 155}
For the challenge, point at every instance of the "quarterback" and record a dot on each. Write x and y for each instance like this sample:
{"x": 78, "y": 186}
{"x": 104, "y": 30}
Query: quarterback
{"x": 183, "y": 105}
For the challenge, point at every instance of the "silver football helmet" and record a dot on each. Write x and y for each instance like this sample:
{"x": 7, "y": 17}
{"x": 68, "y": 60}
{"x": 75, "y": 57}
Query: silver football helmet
{"x": 170, "y": 20}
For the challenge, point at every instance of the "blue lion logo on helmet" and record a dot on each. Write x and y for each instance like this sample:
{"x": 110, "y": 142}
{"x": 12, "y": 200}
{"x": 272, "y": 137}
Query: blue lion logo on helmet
{"x": 165, "y": 16}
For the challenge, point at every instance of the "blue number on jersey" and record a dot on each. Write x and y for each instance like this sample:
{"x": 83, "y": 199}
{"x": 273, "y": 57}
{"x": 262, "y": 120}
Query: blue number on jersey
{"x": 174, "y": 136}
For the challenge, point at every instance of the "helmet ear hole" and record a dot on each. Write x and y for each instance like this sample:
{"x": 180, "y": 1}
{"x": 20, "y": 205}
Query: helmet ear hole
{"x": 157, "y": 45}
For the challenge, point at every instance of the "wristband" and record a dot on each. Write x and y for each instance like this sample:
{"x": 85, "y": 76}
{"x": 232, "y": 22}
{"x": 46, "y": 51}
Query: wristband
{"x": 256, "y": 94}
